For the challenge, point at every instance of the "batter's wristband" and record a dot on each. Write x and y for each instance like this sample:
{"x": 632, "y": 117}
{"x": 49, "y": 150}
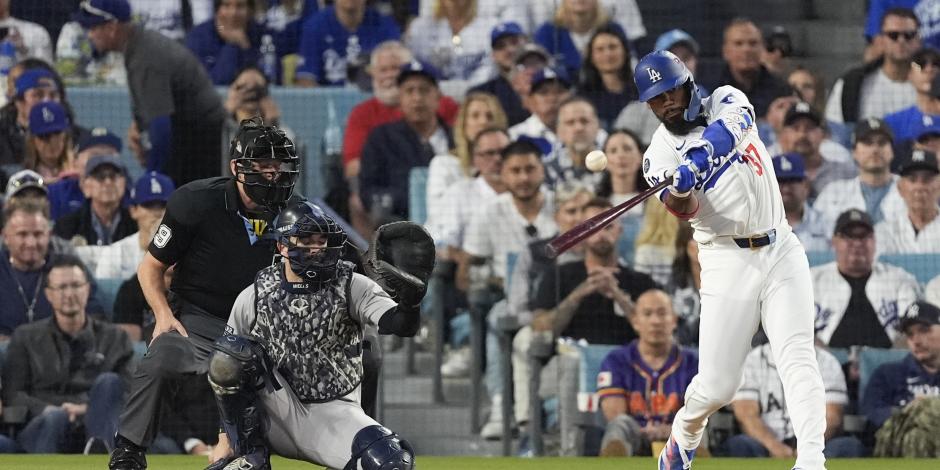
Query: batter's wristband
{"x": 684, "y": 215}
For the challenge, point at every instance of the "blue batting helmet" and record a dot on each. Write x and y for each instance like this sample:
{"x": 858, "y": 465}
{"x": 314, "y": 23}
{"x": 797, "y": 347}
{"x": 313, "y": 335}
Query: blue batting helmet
{"x": 661, "y": 71}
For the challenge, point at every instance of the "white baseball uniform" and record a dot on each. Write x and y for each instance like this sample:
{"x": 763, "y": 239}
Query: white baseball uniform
{"x": 744, "y": 286}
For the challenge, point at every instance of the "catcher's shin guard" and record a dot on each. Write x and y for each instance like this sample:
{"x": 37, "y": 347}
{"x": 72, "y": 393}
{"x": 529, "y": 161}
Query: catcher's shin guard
{"x": 236, "y": 373}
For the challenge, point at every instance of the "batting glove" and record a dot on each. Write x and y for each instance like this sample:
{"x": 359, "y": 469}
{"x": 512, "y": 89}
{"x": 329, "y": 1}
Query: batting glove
{"x": 683, "y": 180}
{"x": 700, "y": 155}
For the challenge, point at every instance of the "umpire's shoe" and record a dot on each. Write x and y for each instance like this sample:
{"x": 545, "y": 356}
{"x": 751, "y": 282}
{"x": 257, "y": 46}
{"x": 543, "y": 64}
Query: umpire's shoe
{"x": 127, "y": 455}
{"x": 674, "y": 457}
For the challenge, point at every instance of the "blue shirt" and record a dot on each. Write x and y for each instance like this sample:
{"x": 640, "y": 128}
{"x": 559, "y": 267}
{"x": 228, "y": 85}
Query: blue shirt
{"x": 221, "y": 59}
{"x": 895, "y": 384}
{"x": 65, "y": 197}
{"x": 907, "y": 123}
{"x": 557, "y": 41}
{"x": 326, "y": 46}
{"x": 652, "y": 395}
{"x": 873, "y": 197}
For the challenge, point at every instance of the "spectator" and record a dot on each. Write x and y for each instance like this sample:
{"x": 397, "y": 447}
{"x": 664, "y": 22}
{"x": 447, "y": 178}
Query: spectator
{"x": 642, "y": 384}
{"x": 502, "y": 229}
{"x": 336, "y": 36}
{"x": 607, "y": 75}
{"x": 621, "y": 181}
{"x": 684, "y": 284}
{"x": 453, "y": 39}
{"x": 900, "y": 393}
{"x": 808, "y": 223}
{"x": 906, "y": 123}
{"x": 595, "y": 295}
{"x": 383, "y": 107}
{"x": 248, "y": 96}
{"x": 741, "y": 51}
{"x": 858, "y": 299}
{"x": 932, "y": 291}
{"x": 26, "y": 187}
{"x": 549, "y": 87}
{"x": 508, "y": 43}
{"x": 119, "y": 260}
{"x": 33, "y": 86}
{"x": 101, "y": 220}
{"x": 65, "y": 195}
{"x": 881, "y": 87}
{"x": 579, "y": 132}
{"x": 77, "y": 61}
{"x": 479, "y": 111}
{"x": 51, "y": 15}
{"x": 656, "y": 243}
{"x": 803, "y": 134}
{"x": 26, "y": 183}
{"x": 449, "y": 227}
{"x": 762, "y": 413}
{"x": 807, "y": 86}
{"x": 927, "y": 138}
{"x": 228, "y": 42}
{"x": 567, "y": 34}
{"x": 30, "y": 39}
{"x": 26, "y": 232}
{"x": 778, "y": 47}
{"x": 775, "y": 117}
{"x": 876, "y": 12}
{"x": 171, "y": 19}
{"x": 916, "y": 229}
{"x": 393, "y": 149}
{"x": 177, "y": 113}
{"x": 49, "y": 142}
{"x": 874, "y": 190}
{"x": 69, "y": 369}
{"x": 637, "y": 116}
{"x": 502, "y": 10}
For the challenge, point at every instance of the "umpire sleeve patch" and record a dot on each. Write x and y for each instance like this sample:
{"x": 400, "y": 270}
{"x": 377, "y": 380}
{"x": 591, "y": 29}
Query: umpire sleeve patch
{"x": 163, "y": 236}
{"x": 605, "y": 379}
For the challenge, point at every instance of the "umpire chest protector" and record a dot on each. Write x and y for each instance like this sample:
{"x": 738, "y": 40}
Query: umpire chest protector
{"x": 312, "y": 339}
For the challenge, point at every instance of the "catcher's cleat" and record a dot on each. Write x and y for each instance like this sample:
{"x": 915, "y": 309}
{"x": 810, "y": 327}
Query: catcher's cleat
{"x": 674, "y": 457}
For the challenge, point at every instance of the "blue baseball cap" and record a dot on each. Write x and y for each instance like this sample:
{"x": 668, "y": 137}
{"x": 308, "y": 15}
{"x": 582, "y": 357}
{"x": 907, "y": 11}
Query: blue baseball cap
{"x": 48, "y": 117}
{"x": 99, "y": 136}
{"x": 98, "y": 161}
{"x": 789, "y": 167}
{"x": 92, "y": 13}
{"x": 417, "y": 67}
{"x": 152, "y": 186}
{"x": 548, "y": 74}
{"x": 509, "y": 28}
{"x": 672, "y": 37}
{"x": 33, "y": 78}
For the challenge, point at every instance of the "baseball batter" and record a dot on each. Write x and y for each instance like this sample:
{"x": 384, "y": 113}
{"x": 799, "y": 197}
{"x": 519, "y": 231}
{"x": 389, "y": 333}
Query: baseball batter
{"x": 754, "y": 269}
{"x": 287, "y": 373}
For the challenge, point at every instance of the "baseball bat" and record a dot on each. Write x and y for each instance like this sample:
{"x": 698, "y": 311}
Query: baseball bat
{"x": 589, "y": 227}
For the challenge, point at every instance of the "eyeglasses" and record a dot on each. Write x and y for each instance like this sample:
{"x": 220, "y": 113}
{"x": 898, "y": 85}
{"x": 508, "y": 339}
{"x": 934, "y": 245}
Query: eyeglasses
{"x": 89, "y": 8}
{"x": 67, "y": 287}
{"x": 896, "y": 35}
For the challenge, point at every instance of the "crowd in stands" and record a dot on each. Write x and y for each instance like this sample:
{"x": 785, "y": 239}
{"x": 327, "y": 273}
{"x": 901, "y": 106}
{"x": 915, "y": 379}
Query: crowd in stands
{"x": 497, "y": 104}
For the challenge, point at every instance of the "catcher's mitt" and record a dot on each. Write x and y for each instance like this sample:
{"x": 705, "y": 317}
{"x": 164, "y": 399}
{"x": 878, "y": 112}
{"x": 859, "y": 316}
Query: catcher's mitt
{"x": 400, "y": 259}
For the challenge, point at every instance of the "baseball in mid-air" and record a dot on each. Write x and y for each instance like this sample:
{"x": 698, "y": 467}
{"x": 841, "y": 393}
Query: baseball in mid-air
{"x": 596, "y": 161}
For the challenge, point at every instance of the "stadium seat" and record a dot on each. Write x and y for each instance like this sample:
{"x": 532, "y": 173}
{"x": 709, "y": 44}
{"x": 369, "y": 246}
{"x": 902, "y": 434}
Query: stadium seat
{"x": 924, "y": 266}
{"x": 417, "y": 195}
{"x": 870, "y": 358}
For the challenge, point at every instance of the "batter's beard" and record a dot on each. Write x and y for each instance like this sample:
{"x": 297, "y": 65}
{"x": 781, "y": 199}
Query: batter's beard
{"x": 680, "y": 126}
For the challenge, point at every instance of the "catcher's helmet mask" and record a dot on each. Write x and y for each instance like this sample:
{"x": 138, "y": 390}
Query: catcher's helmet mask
{"x": 315, "y": 264}
{"x": 265, "y": 163}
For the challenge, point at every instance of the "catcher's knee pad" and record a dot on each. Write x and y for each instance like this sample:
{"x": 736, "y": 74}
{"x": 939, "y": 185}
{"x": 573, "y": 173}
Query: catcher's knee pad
{"x": 377, "y": 448}
{"x": 236, "y": 365}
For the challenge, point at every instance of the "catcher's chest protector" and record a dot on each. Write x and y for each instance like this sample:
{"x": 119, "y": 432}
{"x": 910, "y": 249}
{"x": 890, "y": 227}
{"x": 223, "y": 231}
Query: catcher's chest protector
{"x": 311, "y": 338}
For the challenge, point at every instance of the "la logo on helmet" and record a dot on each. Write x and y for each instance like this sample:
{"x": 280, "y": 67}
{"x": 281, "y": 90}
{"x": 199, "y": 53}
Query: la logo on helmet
{"x": 654, "y": 75}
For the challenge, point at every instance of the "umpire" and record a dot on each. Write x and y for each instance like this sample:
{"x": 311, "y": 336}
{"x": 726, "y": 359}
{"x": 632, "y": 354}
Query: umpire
{"x": 212, "y": 234}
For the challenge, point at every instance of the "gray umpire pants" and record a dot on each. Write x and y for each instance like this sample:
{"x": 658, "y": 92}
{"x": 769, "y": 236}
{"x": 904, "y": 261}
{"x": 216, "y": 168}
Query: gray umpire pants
{"x": 169, "y": 359}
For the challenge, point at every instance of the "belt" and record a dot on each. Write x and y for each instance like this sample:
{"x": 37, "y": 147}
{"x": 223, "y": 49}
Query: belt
{"x": 757, "y": 241}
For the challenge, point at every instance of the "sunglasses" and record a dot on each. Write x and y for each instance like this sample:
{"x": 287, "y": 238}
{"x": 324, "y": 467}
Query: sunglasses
{"x": 896, "y": 35}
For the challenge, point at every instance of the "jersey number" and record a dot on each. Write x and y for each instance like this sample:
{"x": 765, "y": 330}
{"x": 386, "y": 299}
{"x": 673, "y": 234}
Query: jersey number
{"x": 752, "y": 157}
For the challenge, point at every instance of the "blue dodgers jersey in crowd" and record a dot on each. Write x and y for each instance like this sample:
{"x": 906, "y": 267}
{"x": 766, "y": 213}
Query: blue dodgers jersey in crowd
{"x": 653, "y": 396}
{"x": 326, "y": 46}
{"x": 908, "y": 123}
{"x": 557, "y": 41}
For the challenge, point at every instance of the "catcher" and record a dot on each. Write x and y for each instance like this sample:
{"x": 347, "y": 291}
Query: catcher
{"x": 287, "y": 373}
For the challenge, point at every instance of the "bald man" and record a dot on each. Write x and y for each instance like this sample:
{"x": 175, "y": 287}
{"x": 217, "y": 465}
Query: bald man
{"x": 642, "y": 384}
